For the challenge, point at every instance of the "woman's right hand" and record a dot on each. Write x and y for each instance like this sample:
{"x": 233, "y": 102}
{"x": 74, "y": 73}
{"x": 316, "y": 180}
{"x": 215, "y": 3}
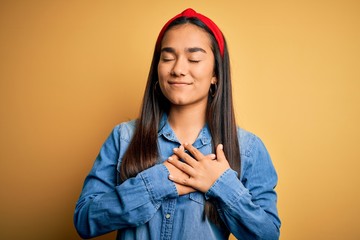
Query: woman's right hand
{"x": 181, "y": 189}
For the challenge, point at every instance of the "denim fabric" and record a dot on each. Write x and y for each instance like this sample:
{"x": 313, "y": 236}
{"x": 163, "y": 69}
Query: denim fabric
{"x": 148, "y": 206}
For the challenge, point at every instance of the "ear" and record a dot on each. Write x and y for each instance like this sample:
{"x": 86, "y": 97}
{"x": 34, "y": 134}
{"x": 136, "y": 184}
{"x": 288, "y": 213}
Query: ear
{"x": 214, "y": 80}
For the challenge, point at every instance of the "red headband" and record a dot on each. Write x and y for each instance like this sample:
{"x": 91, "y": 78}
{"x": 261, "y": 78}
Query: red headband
{"x": 190, "y": 13}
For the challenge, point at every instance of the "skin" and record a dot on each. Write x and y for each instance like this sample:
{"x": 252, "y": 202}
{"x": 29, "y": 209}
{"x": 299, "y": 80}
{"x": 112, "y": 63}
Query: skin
{"x": 186, "y": 67}
{"x": 186, "y": 71}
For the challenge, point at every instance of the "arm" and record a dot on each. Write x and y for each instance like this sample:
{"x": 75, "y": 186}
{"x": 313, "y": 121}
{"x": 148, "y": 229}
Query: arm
{"x": 105, "y": 206}
{"x": 249, "y": 210}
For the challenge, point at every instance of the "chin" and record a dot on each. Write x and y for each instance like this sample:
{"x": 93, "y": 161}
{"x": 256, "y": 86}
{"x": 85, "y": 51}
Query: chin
{"x": 179, "y": 103}
{"x": 178, "y": 100}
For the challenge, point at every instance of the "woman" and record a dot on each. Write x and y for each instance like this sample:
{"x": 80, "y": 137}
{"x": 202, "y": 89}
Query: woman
{"x": 175, "y": 173}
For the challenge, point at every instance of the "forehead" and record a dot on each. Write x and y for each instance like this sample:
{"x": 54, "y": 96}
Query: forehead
{"x": 186, "y": 35}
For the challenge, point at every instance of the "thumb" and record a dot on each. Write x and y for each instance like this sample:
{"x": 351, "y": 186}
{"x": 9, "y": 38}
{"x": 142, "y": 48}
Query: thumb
{"x": 220, "y": 153}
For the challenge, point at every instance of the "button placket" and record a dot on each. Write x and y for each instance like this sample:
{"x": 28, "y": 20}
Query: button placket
{"x": 169, "y": 210}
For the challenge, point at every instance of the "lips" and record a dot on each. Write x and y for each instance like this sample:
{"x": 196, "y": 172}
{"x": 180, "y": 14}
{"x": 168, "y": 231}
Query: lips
{"x": 177, "y": 83}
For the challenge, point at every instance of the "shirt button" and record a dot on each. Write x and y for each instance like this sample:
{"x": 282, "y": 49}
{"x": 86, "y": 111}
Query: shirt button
{"x": 167, "y": 216}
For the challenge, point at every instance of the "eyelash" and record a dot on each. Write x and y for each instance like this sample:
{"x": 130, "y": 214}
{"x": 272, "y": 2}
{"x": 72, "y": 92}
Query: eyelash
{"x": 167, "y": 59}
{"x": 191, "y": 61}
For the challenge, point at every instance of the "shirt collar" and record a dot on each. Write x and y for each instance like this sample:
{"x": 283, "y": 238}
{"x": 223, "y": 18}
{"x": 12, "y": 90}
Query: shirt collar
{"x": 166, "y": 131}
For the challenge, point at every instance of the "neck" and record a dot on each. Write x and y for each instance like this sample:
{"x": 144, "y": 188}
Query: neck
{"x": 187, "y": 122}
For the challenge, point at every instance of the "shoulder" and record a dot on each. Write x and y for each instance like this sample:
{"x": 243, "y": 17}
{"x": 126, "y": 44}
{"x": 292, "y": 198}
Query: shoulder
{"x": 120, "y": 137}
{"x": 125, "y": 130}
{"x": 252, "y": 148}
{"x": 249, "y": 142}
{"x": 254, "y": 154}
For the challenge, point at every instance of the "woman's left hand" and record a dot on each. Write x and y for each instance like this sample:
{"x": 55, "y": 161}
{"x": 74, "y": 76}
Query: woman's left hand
{"x": 203, "y": 170}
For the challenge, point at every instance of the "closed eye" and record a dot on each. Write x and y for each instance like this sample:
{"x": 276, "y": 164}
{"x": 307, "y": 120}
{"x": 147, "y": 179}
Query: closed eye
{"x": 167, "y": 59}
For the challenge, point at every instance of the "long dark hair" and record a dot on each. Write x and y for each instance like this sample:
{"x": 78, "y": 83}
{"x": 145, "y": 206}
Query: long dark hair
{"x": 141, "y": 153}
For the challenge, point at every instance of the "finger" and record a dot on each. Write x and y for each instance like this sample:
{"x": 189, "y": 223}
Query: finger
{"x": 179, "y": 152}
{"x": 220, "y": 153}
{"x": 181, "y": 180}
{"x": 210, "y": 156}
{"x": 184, "y": 167}
{"x": 174, "y": 157}
{"x": 194, "y": 152}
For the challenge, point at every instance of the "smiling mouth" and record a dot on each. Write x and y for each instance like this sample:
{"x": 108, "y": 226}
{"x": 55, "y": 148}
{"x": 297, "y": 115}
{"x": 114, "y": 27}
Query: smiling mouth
{"x": 179, "y": 83}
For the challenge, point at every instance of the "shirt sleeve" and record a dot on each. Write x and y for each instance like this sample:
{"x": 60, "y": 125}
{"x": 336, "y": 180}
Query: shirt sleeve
{"x": 248, "y": 207}
{"x": 104, "y": 206}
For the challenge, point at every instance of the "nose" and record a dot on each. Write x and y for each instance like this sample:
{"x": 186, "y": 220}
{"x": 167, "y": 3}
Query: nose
{"x": 180, "y": 68}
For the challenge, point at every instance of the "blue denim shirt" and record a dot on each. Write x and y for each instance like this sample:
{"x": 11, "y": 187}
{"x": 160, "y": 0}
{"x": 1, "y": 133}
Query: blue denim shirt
{"x": 148, "y": 206}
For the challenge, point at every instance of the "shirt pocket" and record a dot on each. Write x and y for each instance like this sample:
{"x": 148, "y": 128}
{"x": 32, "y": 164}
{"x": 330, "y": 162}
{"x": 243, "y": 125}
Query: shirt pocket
{"x": 197, "y": 197}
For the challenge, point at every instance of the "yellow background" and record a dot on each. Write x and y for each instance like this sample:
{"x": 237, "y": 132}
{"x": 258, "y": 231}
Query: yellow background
{"x": 71, "y": 70}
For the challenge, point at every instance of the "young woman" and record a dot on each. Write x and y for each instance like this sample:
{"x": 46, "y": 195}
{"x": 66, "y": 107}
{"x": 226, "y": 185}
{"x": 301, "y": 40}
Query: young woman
{"x": 182, "y": 170}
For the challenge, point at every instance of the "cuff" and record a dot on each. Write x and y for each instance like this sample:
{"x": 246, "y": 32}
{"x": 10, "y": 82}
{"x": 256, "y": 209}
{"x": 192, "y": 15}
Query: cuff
{"x": 157, "y": 183}
{"x": 227, "y": 188}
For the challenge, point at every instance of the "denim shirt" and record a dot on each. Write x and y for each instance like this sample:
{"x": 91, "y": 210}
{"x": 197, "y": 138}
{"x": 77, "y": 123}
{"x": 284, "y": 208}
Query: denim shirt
{"x": 148, "y": 206}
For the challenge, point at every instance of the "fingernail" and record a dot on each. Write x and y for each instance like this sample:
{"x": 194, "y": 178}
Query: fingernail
{"x": 170, "y": 159}
{"x": 185, "y": 144}
{"x": 171, "y": 177}
{"x": 175, "y": 149}
{"x": 221, "y": 146}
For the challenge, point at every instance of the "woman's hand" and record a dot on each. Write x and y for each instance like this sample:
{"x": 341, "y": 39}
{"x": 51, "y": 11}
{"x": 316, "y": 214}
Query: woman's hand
{"x": 181, "y": 189}
{"x": 199, "y": 172}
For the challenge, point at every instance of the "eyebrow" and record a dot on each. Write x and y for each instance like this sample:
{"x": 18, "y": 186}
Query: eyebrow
{"x": 190, "y": 50}
{"x": 195, "y": 49}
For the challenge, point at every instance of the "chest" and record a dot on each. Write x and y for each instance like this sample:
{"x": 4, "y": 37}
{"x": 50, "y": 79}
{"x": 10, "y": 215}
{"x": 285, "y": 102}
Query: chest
{"x": 166, "y": 148}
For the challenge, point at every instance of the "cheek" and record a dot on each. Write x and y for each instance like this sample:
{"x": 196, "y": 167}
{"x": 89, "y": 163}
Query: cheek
{"x": 162, "y": 76}
{"x": 206, "y": 72}
{"x": 159, "y": 70}
{"x": 162, "y": 71}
